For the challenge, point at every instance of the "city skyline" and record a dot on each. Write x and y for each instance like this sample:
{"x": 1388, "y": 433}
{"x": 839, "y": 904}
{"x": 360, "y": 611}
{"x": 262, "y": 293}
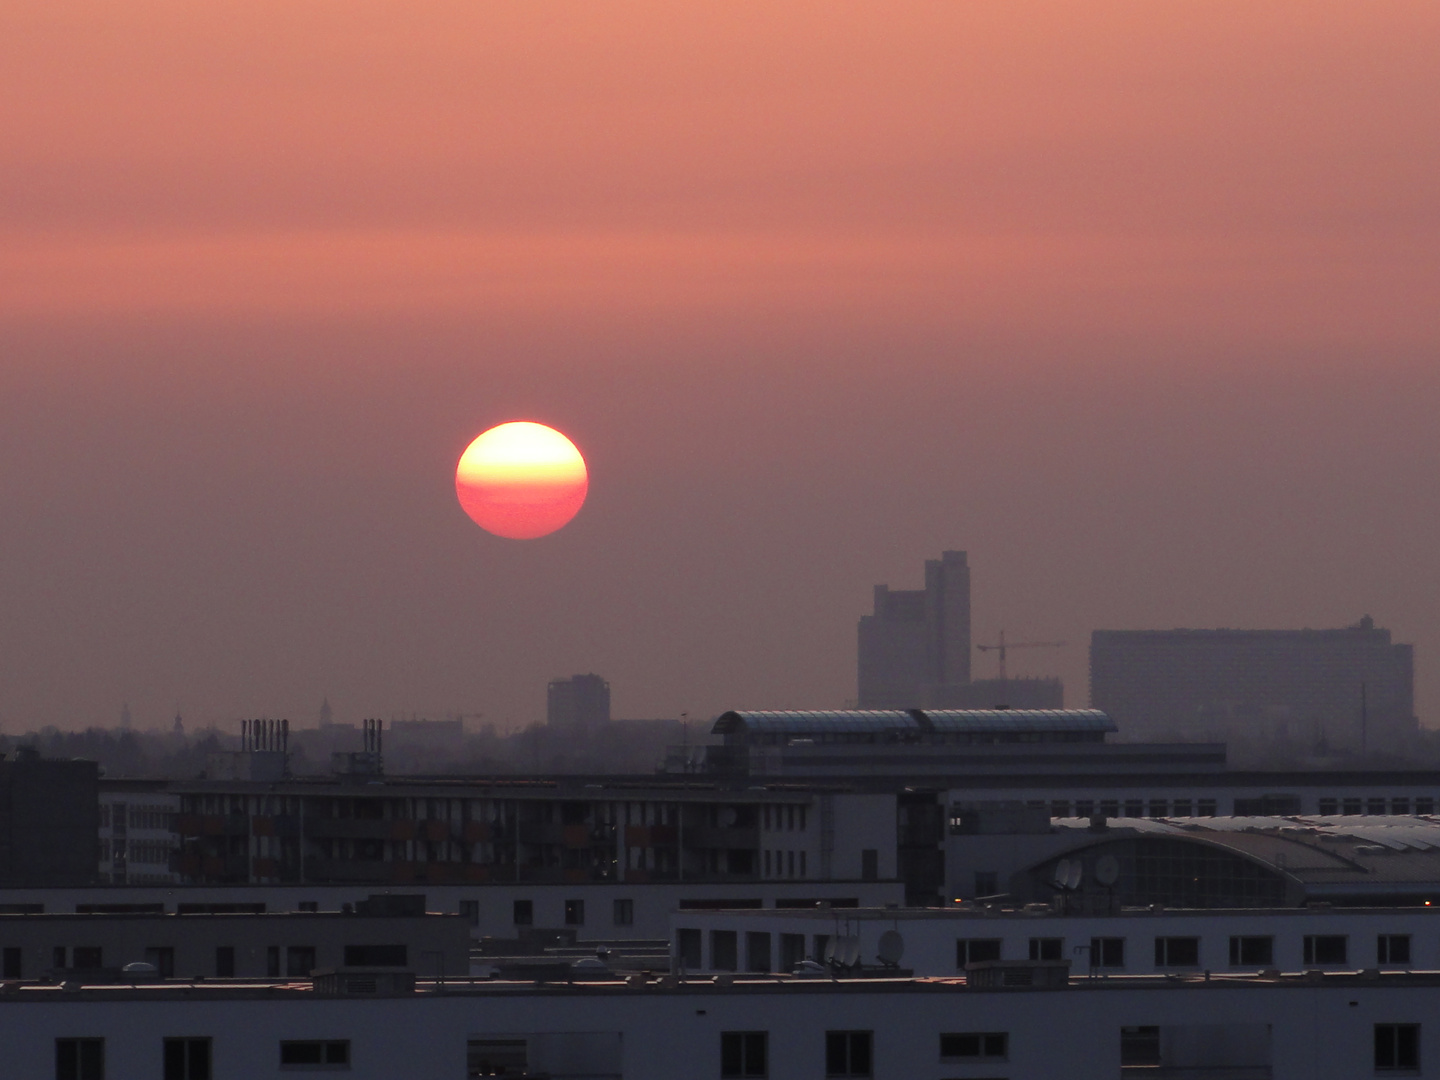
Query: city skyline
{"x": 1133, "y": 303}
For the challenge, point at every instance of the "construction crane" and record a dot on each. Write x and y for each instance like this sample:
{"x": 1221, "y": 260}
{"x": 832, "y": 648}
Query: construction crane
{"x": 1002, "y": 646}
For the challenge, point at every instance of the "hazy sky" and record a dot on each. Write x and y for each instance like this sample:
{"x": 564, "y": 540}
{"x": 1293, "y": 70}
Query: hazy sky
{"x": 1139, "y": 303}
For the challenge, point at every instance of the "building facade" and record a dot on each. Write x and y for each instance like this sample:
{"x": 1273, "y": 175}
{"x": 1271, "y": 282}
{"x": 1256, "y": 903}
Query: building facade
{"x": 915, "y": 640}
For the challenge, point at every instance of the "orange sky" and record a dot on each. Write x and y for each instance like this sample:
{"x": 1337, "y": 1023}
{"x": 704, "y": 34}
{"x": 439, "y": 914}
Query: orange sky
{"x": 1136, "y": 301}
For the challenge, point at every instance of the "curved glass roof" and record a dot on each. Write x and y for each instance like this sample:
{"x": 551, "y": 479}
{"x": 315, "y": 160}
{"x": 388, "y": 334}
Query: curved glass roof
{"x": 784, "y": 722}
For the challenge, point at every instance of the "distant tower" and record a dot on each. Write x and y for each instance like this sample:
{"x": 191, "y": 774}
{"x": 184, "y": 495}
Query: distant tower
{"x": 579, "y": 703}
{"x": 916, "y": 641}
{"x": 179, "y": 728}
{"x": 125, "y": 716}
{"x": 325, "y": 714}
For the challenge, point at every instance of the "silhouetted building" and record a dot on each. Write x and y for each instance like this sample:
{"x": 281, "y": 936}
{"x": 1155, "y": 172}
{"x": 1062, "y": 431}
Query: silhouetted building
{"x": 579, "y": 703}
{"x": 49, "y": 821}
{"x": 917, "y": 639}
{"x": 1349, "y": 688}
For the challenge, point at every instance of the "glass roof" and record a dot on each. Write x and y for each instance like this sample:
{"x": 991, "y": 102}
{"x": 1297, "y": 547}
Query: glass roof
{"x": 916, "y": 720}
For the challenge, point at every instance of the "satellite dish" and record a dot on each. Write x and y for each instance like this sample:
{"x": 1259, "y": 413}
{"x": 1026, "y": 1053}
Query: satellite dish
{"x": 891, "y": 948}
{"x": 1061, "y": 874}
{"x": 828, "y": 953}
{"x": 1107, "y": 870}
{"x": 852, "y": 952}
{"x": 1074, "y": 875}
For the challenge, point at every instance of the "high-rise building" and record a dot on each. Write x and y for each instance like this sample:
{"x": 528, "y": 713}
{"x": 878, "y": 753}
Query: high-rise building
{"x": 917, "y": 640}
{"x": 578, "y": 703}
{"x": 1349, "y": 689}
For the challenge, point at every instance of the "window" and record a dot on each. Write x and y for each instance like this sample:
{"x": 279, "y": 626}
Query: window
{"x": 1047, "y": 948}
{"x": 272, "y": 961}
{"x": 88, "y": 957}
{"x": 1207, "y": 808}
{"x": 225, "y": 961}
{"x": 975, "y": 1046}
{"x": 976, "y": 950}
{"x": 847, "y": 1053}
{"x": 1425, "y": 806}
{"x": 1329, "y": 807}
{"x": 12, "y": 967}
{"x": 1392, "y": 949}
{"x": 163, "y": 957}
{"x": 497, "y": 1057}
{"x": 1139, "y": 1046}
{"x": 792, "y": 951}
{"x": 309, "y": 906}
{"x": 1159, "y": 808}
{"x": 723, "y": 950}
{"x": 987, "y": 883}
{"x": 1351, "y": 807}
{"x": 687, "y": 948}
{"x": 574, "y": 912}
{"x": 1325, "y": 948}
{"x": 1252, "y": 951}
{"x": 869, "y": 864}
{"x": 187, "y": 1059}
{"x": 315, "y": 1054}
{"x": 624, "y": 913}
{"x": 1374, "y": 806}
{"x": 1110, "y": 807}
{"x": 1134, "y": 808}
{"x": 1177, "y": 952}
{"x": 743, "y": 1054}
{"x": 470, "y": 910}
{"x": 376, "y": 956}
{"x": 523, "y": 913}
{"x": 1183, "y": 808}
{"x": 300, "y": 961}
{"x": 1059, "y": 808}
{"x": 768, "y": 871}
{"x": 757, "y": 951}
{"x": 1084, "y": 807}
{"x": 1107, "y": 952}
{"x": 79, "y": 1059}
{"x": 1397, "y": 1046}
{"x": 1400, "y": 806}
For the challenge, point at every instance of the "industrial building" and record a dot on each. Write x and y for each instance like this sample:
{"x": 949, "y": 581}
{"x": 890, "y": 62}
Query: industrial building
{"x": 1350, "y": 689}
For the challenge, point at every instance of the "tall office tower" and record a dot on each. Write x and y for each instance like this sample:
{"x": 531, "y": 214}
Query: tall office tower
{"x": 917, "y": 641}
{"x": 578, "y": 703}
{"x": 1343, "y": 689}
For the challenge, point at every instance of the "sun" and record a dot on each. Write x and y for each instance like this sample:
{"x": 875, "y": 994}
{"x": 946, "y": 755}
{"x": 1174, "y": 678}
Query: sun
{"x": 521, "y": 480}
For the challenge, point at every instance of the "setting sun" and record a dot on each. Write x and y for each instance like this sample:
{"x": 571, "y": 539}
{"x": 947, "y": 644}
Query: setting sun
{"x": 521, "y": 480}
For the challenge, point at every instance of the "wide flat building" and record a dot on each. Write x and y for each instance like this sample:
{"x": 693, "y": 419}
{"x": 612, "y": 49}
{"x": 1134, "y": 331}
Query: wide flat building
{"x": 579, "y": 703}
{"x": 916, "y": 639}
{"x": 1350, "y": 689}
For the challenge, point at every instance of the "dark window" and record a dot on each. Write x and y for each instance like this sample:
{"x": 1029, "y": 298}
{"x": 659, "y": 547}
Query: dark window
{"x": 13, "y": 967}
{"x": 225, "y": 961}
{"x": 1084, "y": 807}
{"x": 1059, "y": 808}
{"x": 272, "y": 961}
{"x": 975, "y": 1046}
{"x": 869, "y": 864}
{"x": 163, "y": 957}
{"x": 310, "y": 906}
{"x": 1400, "y": 806}
{"x": 1397, "y": 1046}
{"x": 757, "y": 951}
{"x": 187, "y": 1059}
{"x": 1047, "y": 948}
{"x": 792, "y": 951}
{"x": 1252, "y": 951}
{"x": 818, "y": 952}
{"x": 1424, "y": 806}
{"x": 1177, "y": 952}
{"x": 1207, "y": 808}
{"x": 88, "y": 957}
{"x": 987, "y": 883}
{"x": 1374, "y": 806}
{"x": 1134, "y": 808}
{"x": 1159, "y": 808}
{"x": 574, "y": 912}
{"x": 976, "y": 950}
{"x": 624, "y": 913}
{"x": 743, "y": 1054}
{"x": 1110, "y": 807}
{"x": 1325, "y": 949}
{"x": 1107, "y": 952}
{"x": 1139, "y": 1046}
{"x": 1329, "y": 807}
{"x": 314, "y": 1053}
{"x": 375, "y": 956}
{"x": 847, "y": 1053}
{"x": 1351, "y": 807}
{"x": 1183, "y": 808}
{"x": 79, "y": 1059}
{"x": 524, "y": 913}
{"x": 57, "y": 956}
{"x": 1392, "y": 949}
{"x": 687, "y": 948}
{"x": 299, "y": 961}
{"x": 723, "y": 950}
{"x": 497, "y": 1057}
{"x": 470, "y": 910}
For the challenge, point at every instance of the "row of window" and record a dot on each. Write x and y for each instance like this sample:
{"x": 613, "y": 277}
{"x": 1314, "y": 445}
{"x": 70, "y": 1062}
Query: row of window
{"x": 149, "y": 852}
{"x": 785, "y": 864}
{"x": 788, "y": 818}
{"x": 1318, "y": 950}
{"x": 622, "y": 912}
{"x": 746, "y": 1054}
{"x": 118, "y": 815}
{"x": 1259, "y": 806}
{"x": 298, "y": 960}
{"x": 190, "y": 1058}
